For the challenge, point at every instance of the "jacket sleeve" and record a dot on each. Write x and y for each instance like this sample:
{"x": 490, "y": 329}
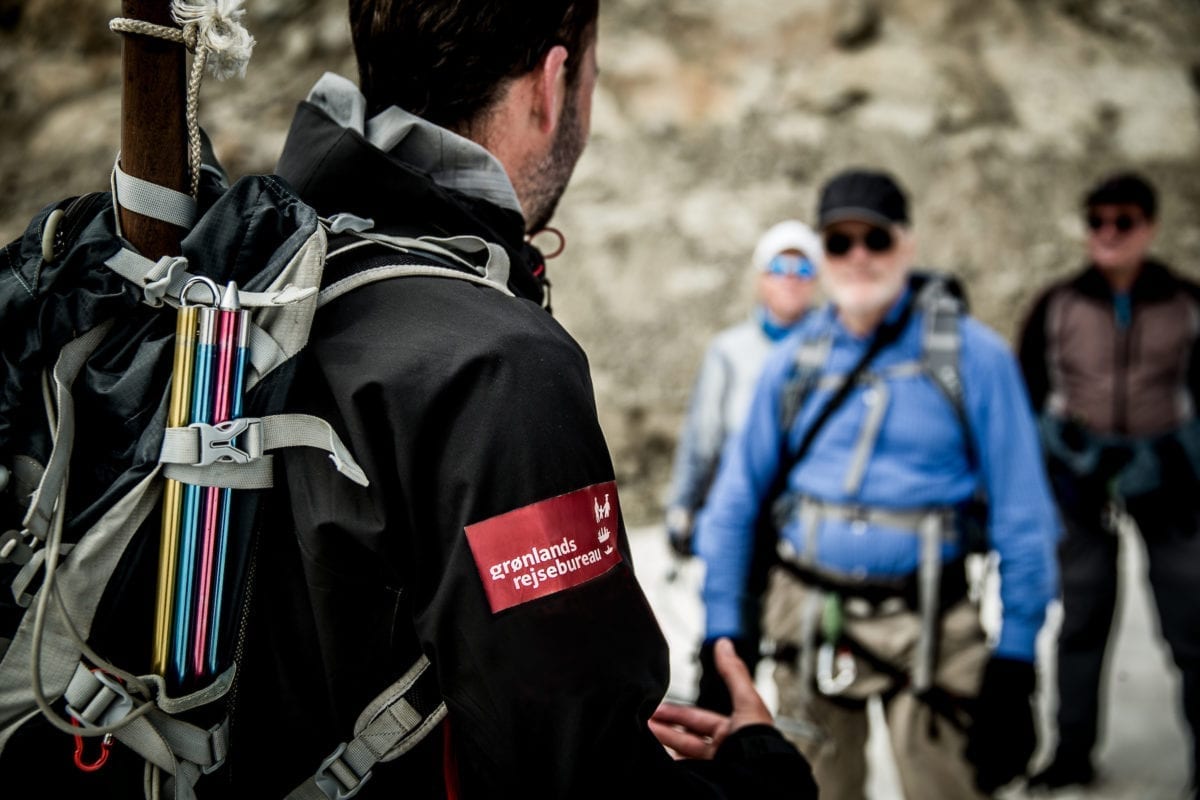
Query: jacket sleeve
{"x": 1031, "y": 351}
{"x": 548, "y": 697}
{"x": 725, "y": 538}
{"x": 703, "y": 434}
{"x": 1022, "y": 520}
{"x": 1193, "y": 373}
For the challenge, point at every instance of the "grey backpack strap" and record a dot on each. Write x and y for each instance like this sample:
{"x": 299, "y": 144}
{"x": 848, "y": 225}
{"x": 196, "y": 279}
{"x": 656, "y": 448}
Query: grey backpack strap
{"x": 940, "y": 346}
{"x": 206, "y": 455}
{"x": 810, "y": 359}
{"x": 483, "y": 262}
{"x": 183, "y": 751}
{"x": 70, "y": 361}
{"x": 391, "y": 725}
{"x": 166, "y": 280}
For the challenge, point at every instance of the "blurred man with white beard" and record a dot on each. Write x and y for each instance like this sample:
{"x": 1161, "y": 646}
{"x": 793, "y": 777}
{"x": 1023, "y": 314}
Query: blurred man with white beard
{"x": 889, "y": 436}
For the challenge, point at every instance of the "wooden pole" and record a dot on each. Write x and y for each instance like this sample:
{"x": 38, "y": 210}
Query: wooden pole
{"x": 153, "y": 129}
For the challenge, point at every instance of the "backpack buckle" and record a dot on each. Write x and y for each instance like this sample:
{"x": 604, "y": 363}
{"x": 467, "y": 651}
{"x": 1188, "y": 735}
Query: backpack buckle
{"x": 96, "y": 699}
{"x": 216, "y": 441}
{"x": 336, "y": 779}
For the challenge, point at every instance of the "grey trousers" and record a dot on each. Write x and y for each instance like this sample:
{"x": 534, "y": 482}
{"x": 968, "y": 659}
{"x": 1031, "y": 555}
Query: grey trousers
{"x": 832, "y": 733}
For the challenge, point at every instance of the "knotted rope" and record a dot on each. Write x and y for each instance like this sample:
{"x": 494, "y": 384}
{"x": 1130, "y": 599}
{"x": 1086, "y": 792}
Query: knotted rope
{"x": 212, "y": 31}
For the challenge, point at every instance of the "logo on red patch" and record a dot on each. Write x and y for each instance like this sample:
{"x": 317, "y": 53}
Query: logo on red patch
{"x": 547, "y": 546}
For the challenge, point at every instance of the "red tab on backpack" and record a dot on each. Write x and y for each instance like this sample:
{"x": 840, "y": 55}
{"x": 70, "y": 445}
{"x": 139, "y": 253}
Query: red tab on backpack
{"x": 547, "y": 546}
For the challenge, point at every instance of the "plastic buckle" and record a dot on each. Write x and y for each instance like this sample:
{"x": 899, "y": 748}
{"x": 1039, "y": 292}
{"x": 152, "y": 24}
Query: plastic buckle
{"x": 216, "y": 441}
{"x": 330, "y": 784}
{"x": 106, "y": 711}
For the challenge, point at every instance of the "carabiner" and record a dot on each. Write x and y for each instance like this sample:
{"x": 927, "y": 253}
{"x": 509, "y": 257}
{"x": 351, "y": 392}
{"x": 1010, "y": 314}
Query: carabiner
{"x": 101, "y": 760}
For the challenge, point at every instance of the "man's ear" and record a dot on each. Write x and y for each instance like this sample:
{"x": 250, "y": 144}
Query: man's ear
{"x": 550, "y": 88}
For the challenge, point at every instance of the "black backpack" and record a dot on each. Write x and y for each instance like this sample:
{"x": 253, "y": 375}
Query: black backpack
{"x": 90, "y": 436}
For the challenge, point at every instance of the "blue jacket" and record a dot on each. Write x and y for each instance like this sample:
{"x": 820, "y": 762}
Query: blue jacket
{"x": 919, "y": 459}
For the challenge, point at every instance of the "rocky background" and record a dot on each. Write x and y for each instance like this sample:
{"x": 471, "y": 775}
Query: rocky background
{"x": 713, "y": 120}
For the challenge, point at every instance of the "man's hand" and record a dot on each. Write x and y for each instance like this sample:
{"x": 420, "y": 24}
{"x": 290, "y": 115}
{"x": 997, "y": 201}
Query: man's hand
{"x": 692, "y": 732}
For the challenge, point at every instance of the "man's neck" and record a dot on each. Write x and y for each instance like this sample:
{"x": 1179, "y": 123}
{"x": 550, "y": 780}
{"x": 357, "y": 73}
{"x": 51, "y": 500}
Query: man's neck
{"x": 1122, "y": 280}
{"x": 861, "y": 323}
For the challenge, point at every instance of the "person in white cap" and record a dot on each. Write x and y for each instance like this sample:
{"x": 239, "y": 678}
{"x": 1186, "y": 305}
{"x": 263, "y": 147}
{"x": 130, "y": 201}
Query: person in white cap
{"x": 785, "y": 265}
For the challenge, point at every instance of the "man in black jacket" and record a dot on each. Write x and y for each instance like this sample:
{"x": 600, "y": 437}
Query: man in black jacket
{"x": 1111, "y": 359}
{"x": 490, "y": 538}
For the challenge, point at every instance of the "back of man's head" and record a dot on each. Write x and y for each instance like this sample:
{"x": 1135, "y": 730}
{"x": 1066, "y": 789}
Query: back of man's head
{"x": 1124, "y": 188}
{"x": 449, "y": 61}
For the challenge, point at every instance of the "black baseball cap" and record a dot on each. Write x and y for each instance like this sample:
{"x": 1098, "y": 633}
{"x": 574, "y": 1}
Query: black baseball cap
{"x": 1125, "y": 188}
{"x": 864, "y": 195}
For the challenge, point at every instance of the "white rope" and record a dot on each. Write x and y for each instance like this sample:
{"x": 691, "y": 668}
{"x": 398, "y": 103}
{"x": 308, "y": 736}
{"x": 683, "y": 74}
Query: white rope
{"x": 212, "y": 30}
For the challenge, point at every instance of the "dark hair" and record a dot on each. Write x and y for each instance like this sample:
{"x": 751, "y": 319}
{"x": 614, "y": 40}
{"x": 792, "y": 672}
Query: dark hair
{"x": 448, "y": 60}
{"x": 1125, "y": 188}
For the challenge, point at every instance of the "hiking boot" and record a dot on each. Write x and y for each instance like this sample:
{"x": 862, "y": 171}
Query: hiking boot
{"x": 1063, "y": 772}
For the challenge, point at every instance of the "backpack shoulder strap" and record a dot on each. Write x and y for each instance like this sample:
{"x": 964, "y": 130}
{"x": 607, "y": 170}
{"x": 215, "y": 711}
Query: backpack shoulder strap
{"x": 941, "y": 346}
{"x": 356, "y": 259}
{"x": 807, "y": 367}
{"x": 391, "y": 725}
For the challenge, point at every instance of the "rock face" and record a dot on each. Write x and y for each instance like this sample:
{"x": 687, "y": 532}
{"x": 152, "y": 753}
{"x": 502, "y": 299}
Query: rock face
{"x": 713, "y": 120}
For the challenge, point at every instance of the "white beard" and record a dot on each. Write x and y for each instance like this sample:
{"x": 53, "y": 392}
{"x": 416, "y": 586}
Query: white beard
{"x": 863, "y": 298}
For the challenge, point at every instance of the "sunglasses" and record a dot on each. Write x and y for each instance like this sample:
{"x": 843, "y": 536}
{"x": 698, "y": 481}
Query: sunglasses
{"x": 876, "y": 240}
{"x": 1124, "y": 223}
{"x": 791, "y": 264}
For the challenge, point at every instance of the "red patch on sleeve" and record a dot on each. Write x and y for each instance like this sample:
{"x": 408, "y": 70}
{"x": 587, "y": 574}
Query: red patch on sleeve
{"x": 547, "y": 546}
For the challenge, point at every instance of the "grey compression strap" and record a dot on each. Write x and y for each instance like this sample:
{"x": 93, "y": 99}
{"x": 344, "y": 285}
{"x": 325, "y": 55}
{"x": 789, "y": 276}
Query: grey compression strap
{"x": 70, "y": 360}
{"x": 391, "y": 725}
{"x": 182, "y": 750}
{"x": 207, "y": 454}
{"x": 151, "y": 200}
{"x": 163, "y": 281}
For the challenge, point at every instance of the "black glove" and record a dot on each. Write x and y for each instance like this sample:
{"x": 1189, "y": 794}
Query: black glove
{"x": 681, "y": 532}
{"x": 1175, "y": 466}
{"x": 1002, "y": 737}
{"x": 712, "y": 692}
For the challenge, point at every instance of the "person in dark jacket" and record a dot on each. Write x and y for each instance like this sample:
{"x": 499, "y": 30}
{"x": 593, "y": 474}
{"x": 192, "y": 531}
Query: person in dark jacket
{"x": 490, "y": 538}
{"x": 1111, "y": 359}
